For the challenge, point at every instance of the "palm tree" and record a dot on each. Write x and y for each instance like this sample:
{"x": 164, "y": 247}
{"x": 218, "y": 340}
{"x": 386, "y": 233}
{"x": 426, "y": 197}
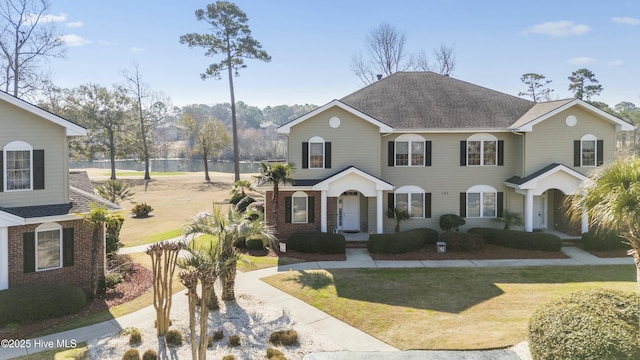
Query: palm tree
{"x": 239, "y": 188}
{"x": 115, "y": 191}
{"x": 227, "y": 229}
{"x": 276, "y": 174}
{"x": 611, "y": 199}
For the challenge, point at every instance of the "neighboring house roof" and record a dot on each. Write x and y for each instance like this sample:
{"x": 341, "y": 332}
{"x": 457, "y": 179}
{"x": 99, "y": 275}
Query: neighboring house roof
{"x": 426, "y": 100}
{"x": 80, "y": 180}
{"x": 72, "y": 128}
{"x": 543, "y": 111}
{"x": 384, "y": 128}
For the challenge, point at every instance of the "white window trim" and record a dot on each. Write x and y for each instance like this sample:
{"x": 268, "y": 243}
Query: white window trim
{"x": 300, "y": 194}
{"x": 482, "y": 138}
{"x": 482, "y": 189}
{"x": 49, "y": 227}
{"x": 17, "y": 146}
{"x": 409, "y": 190}
{"x": 589, "y": 137}
{"x": 317, "y": 140}
{"x": 409, "y": 139}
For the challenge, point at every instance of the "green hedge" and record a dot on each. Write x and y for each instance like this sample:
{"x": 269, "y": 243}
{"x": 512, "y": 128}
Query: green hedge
{"x": 519, "y": 239}
{"x": 586, "y": 324}
{"x": 317, "y": 242}
{"x": 401, "y": 242}
{"x": 599, "y": 241}
{"x": 40, "y": 303}
{"x": 254, "y": 244}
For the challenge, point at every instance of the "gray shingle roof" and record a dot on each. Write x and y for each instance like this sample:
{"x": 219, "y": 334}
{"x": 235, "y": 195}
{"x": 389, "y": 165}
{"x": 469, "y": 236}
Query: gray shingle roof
{"x": 426, "y": 100}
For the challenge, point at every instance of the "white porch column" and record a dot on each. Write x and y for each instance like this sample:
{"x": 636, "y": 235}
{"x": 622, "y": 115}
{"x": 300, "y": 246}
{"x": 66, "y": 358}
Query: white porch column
{"x": 323, "y": 211}
{"x": 528, "y": 211}
{"x": 379, "y": 213}
{"x": 4, "y": 258}
{"x": 585, "y": 222}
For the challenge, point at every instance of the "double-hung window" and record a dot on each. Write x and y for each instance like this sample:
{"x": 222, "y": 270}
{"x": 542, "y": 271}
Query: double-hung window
{"x": 48, "y": 247}
{"x": 18, "y": 166}
{"x": 481, "y": 202}
{"x": 588, "y": 145}
{"x": 299, "y": 208}
{"x": 412, "y": 200}
{"x": 410, "y": 150}
{"x": 316, "y": 154}
{"x": 481, "y": 150}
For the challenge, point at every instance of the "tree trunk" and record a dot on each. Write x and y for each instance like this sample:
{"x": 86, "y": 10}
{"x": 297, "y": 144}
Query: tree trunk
{"x": 234, "y": 122}
{"x": 206, "y": 166}
{"x": 193, "y": 299}
{"x": 96, "y": 238}
{"x": 112, "y": 154}
{"x": 229, "y": 283}
{"x": 204, "y": 321}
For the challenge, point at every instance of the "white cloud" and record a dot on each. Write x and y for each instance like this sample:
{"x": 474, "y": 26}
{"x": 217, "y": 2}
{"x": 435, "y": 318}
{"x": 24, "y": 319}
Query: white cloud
{"x": 558, "y": 28}
{"x": 74, "y": 40}
{"x": 584, "y": 60}
{"x": 137, "y": 50}
{"x": 75, "y": 24}
{"x": 616, "y": 63}
{"x": 626, "y": 20}
{"x": 31, "y": 18}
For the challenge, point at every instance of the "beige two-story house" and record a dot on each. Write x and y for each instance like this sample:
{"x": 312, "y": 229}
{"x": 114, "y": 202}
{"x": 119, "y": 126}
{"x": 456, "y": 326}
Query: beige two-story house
{"x": 43, "y": 237}
{"x": 434, "y": 145}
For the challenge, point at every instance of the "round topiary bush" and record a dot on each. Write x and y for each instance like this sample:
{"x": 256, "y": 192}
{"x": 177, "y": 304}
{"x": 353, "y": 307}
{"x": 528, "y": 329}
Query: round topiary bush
{"x": 173, "y": 338}
{"x": 131, "y": 354}
{"x": 586, "y": 324}
{"x": 150, "y": 355}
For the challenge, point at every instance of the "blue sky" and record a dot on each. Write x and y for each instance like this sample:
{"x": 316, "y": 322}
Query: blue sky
{"x": 312, "y": 43}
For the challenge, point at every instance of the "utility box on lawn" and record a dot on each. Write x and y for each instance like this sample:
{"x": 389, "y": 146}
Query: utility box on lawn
{"x": 442, "y": 246}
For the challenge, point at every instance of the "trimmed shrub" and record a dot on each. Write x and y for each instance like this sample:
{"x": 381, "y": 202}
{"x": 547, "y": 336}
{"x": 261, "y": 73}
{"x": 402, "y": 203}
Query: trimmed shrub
{"x": 229, "y": 357}
{"x": 242, "y": 205}
{"x": 142, "y": 210}
{"x": 317, "y": 242}
{"x": 275, "y": 354}
{"x": 131, "y": 354}
{"x": 40, "y": 303}
{"x": 234, "y": 340}
{"x": 112, "y": 279}
{"x": 235, "y": 198}
{"x": 587, "y": 324}
{"x": 449, "y": 222}
{"x": 601, "y": 241}
{"x": 150, "y": 355}
{"x": 284, "y": 337}
{"x": 173, "y": 338}
{"x": 135, "y": 337}
{"x": 519, "y": 239}
{"x": 112, "y": 236}
{"x": 240, "y": 242}
{"x": 462, "y": 241}
{"x": 401, "y": 242}
{"x": 254, "y": 244}
{"x": 218, "y": 335}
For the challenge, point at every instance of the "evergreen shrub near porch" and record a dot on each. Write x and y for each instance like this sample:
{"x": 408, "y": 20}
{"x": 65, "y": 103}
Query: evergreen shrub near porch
{"x": 401, "y": 242}
{"x": 519, "y": 239}
{"x": 601, "y": 241}
{"x": 40, "y": 303}
{"x": 317, "y": 242}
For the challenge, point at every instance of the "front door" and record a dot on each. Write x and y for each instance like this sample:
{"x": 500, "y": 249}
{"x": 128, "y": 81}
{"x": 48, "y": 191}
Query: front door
{"x": 350, "y": 212}
{"x": 540, "y": 212}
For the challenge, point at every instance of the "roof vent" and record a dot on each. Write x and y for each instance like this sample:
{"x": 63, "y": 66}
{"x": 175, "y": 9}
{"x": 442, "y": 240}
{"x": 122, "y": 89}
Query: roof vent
{"x": 379, "y": 76}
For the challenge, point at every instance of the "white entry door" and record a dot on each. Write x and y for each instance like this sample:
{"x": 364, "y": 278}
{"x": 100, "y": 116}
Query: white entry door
{"x": 540, "y": 212}
{"x": 350, "y": 213}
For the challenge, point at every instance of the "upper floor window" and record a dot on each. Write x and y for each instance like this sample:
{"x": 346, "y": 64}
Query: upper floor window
{"x": 410, "y": 150}
{"x": 588, "y": 151}
{"x": 316, "y": 154}
{"x": 48, "y": 246}
{"x": 482, "y": 150}
{"x": 482, "y": 201}
{"x": 17, "y": 166}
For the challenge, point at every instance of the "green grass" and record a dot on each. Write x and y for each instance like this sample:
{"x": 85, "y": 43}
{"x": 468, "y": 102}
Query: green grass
{"x": 153, "y": 238}
{"x": 80, "y": 352}
{"x": 438, "y": 308}
{"x": 141, "y": 173}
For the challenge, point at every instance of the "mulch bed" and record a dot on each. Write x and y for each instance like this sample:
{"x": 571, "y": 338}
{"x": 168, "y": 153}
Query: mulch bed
{"x": 295, "y": 255}
{"x": 487, "y": 252}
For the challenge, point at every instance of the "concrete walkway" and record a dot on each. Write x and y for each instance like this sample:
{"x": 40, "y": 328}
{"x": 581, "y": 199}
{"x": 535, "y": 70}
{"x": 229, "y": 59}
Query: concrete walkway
{"x": 357, "y": 344}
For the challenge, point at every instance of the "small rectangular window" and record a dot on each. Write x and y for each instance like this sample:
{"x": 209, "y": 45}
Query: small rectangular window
{"x": 299, "y": 209}
{"x": 49, "y": 249}
{"x": 18, "y": 170}
{"x": 402, "y": 153}
{"x": 589, "y": 153}
{"x": 473, "y": 152}
{"x": 473, "y": 204}
{"x": 417, "y": 205}
{"x": 402, "y": 202}
{"x": 316, "y": 155}
{"x": 489, "y": 153}
{"x": 488, "y": 204}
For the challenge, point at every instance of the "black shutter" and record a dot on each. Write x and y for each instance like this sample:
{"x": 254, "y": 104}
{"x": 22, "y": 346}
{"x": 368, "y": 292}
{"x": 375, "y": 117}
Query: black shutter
{"x": 463, "y": 153}
{"x": 392, "y": 154}
{"x": 500, "y": 152}
{"x": 600, "y": 153}
{"x": 67, "y": 247}
{"x": 1, "y": 171}
{"x": 327, "y": 155}
{"x": 305, "y": 155}
{"x": 427, "y": 205}
{"x": 463, "y": 204}
{"x": 38, "y": 169}
{"x": 576, "y": 153}
{"x": 287, "y": 209}
{"x": 427, "y": 157}
{"x": 500, "y": 205}
{"x": 29, "y": 252}
{"x": 391, "y": 201}
{"x": 311, "y": 210}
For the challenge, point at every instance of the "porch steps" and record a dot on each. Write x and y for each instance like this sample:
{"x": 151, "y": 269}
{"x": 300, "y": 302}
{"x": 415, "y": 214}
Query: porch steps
{"x": 357, "y": 244}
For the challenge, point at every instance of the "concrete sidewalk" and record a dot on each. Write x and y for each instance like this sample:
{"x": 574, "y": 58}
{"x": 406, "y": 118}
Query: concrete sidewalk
{"x": 357, "y": 344}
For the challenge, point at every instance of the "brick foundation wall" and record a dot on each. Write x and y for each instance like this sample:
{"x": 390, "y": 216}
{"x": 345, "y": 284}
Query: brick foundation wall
{"x": 78, "y": 275}
{"x": 284, "y": 229}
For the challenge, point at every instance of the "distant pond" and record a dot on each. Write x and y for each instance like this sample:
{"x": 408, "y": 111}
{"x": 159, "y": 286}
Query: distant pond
{"x": 168, "y": 165}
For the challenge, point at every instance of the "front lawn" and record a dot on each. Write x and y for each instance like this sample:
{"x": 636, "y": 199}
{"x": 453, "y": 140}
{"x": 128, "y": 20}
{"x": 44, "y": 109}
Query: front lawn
{"x": 437, "y": 308}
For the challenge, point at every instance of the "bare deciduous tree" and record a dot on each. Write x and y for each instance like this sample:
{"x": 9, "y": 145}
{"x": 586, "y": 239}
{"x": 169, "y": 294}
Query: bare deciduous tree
{"x": 28, "y": 36}
{"x": 385, "y": 54}
{"x": 164, "y": 257}
{"x": 445, "y": 61}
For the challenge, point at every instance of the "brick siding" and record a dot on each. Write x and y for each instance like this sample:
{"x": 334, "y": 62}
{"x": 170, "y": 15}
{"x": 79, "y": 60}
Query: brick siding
{"x": 78, "y": 275}
{"x": 284, "y": 229}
